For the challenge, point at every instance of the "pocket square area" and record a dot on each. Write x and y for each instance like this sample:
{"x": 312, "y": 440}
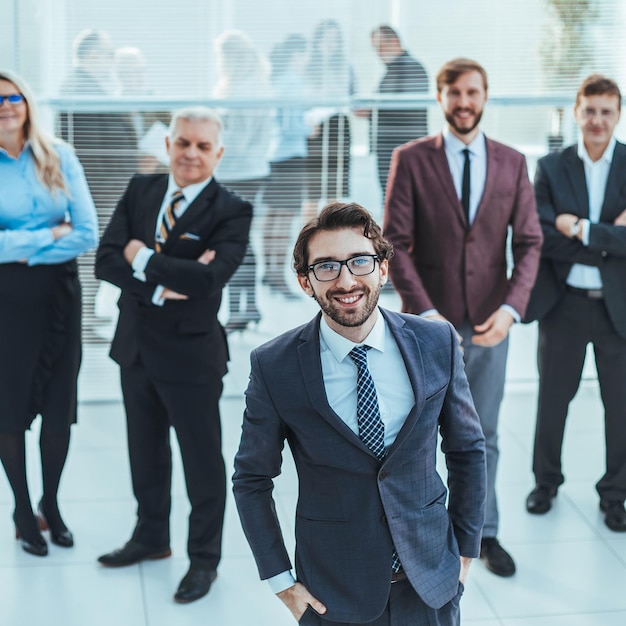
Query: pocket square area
{"x": 191, "y": 236}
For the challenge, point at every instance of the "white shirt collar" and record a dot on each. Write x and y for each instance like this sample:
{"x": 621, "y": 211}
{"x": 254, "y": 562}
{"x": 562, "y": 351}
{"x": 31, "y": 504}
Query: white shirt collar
{"x": 453, "y": 144}
{"x": 340, "y": 346}
{"x": 190, "y": 192}
{"x": 607, "y": 155}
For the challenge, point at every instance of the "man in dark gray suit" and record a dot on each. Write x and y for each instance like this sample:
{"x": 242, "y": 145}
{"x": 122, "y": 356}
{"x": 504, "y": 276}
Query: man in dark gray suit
{"x": 580, "y": 293}
{"x": 361, "y": 394}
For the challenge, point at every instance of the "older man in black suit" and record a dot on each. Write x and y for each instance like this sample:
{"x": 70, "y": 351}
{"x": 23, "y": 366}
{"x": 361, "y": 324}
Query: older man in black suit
{"x": 580, "y": 294}
{"x": 171, "y": 245}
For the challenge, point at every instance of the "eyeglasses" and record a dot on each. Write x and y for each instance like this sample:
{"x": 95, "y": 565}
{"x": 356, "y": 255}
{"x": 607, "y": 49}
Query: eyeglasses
{"x": 361, "y": 265}
{"x": 14, "y": 98}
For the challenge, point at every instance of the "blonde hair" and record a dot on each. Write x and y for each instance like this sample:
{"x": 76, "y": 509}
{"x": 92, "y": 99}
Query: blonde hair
{"x": 47, "y": 160}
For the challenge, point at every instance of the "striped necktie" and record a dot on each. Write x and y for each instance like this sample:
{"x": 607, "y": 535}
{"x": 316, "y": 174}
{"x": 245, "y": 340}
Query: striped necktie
{"x": 169, "y": 220}
{"x": 370, "y": 423}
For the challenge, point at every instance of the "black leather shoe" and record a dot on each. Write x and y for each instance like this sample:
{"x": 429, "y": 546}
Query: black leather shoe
{"x": 539, "y": 500}
{"x": 34, "y": 543}
{"x": 496, "y": 558}
{"x": 195, "y": 584}
{"x": 60, "y": 535}
{"x": 615, "y": 515}
{"x": 132, "y": 553}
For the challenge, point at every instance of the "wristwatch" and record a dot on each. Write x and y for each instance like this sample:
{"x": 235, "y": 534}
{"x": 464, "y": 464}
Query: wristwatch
{"x": 574, "y": 228}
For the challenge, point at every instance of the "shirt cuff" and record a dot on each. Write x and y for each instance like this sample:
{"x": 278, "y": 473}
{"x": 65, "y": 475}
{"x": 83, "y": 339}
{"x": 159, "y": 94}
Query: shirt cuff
{"x": 429, "y": 312}
{"x": 281, "y": 581}
{"x": 585, "y": 225}
{"x": 140, "y": 262}
{"x": 509, "y": 309}
{"x": 156, "y": 296}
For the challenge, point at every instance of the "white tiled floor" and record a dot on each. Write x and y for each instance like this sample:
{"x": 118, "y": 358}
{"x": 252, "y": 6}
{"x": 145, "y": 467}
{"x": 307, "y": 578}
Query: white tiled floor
{"x": 571, "y": 568}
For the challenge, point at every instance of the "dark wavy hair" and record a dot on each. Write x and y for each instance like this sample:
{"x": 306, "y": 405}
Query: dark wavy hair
{"x": 339, "y": 216}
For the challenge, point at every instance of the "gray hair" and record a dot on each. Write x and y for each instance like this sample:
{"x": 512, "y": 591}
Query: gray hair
{"x": 198, "y": 114}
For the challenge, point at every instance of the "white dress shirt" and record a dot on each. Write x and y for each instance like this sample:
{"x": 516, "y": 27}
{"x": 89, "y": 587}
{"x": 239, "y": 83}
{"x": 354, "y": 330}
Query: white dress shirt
{"x": 190, "y": 193}
{"x": 596, "y": 177}
{"x": 393, "y": 387}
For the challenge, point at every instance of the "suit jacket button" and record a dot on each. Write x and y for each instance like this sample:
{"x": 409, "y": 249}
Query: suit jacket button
{"x": 383, "y": 474}
{"x": 603, "y": 252}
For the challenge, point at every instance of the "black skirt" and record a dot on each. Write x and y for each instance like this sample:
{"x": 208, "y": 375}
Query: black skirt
{"x": 40, "y": 347}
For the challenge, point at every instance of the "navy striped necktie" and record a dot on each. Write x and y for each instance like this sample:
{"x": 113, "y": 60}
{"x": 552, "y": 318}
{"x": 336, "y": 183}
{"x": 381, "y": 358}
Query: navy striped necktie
{"x": 370, "y": 423}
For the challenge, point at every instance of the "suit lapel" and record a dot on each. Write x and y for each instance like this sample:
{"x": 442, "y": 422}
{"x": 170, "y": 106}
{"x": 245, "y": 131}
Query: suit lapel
{"x": 311, "y": 370}
{"x": 493, "y": 165}
{"x": 610, "y": 207}
{"x": 439, "y": 161}
{"x": 154, "y": 194}
{"x": 411, "y": 353}
{"x": 575, "y": 172}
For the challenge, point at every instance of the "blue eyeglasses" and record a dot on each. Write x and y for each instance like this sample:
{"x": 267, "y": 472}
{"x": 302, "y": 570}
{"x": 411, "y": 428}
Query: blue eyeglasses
{"x": 14, "y": 98}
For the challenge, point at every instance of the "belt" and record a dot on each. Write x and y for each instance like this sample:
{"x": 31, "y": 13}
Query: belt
{"x": 397, "y": 577}
{"x": 592, "y": 294}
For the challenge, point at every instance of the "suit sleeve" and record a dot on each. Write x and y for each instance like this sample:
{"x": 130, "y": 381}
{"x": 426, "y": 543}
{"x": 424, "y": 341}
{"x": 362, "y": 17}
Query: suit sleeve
{"x": 193, "y": 279}
{"x": 557, "y": 246}
{"x": 110, "y": 262}
{"x": 257, "y": 463}
{"x": 399, "y": 227}
{"x": 526, "y": 243}
{"x": 607, "y": 239}
{"x": 463, "y": 444}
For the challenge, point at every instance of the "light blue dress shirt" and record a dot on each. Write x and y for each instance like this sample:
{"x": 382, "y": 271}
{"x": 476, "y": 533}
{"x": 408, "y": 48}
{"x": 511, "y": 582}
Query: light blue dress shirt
{"x": 454, "y": 148}
{"x": 596, "y": 177}
{"x": 28, "y": 211}
{"x": 393, "y": 387}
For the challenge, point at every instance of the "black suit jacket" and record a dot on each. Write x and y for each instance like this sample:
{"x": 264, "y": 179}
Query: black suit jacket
{"x": 560, "y": 187}
{"x": 181, "y": 341}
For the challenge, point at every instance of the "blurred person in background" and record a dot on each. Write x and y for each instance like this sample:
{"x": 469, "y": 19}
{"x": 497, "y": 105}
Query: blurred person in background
{"x": 330, "y": 76}
{"x": 150, "y": 126}
{"x": 285, "y": 190}
{"x": 244, "y": 168}
{"x": 47, "y": 218}
{"x": 403, "y": 75}
{"x": 105, "y": 143}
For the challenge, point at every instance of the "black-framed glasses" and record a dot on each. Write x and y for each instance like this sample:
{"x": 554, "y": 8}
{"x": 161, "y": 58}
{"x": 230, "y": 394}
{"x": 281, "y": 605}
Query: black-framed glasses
{"x": 12, "y": 98}
{"x": 360, "y": 265}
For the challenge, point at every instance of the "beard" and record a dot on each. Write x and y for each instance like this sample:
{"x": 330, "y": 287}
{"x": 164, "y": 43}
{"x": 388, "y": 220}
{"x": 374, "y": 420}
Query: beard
{"x": 463, "y": 130}
{"x": 352, "y": 317}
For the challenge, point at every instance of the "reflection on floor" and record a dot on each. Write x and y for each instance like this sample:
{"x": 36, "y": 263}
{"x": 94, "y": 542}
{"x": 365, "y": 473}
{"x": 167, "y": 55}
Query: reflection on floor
{"x": 571, "y": 568}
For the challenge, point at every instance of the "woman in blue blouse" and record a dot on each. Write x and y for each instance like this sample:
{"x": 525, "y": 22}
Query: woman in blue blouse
{"x": 47, "y": 218}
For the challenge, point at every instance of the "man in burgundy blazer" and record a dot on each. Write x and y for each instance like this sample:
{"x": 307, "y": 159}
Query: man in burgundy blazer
{"x": 450, "y": 202}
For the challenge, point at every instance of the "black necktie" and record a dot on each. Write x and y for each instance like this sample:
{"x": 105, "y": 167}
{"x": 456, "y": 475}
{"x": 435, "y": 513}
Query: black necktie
{"x": 465, "y": 187}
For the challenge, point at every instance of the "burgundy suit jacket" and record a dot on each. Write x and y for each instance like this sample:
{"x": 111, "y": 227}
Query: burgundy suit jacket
{"x": 441, "y": 264}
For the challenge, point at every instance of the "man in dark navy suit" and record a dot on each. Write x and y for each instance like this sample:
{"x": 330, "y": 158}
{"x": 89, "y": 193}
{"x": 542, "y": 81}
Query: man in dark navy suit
{"x": 361, "y": 394}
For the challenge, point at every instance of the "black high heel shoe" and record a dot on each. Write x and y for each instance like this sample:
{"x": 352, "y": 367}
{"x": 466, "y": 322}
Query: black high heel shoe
{"x": 61, "y": 535}
{"x": 35, "y": 545}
